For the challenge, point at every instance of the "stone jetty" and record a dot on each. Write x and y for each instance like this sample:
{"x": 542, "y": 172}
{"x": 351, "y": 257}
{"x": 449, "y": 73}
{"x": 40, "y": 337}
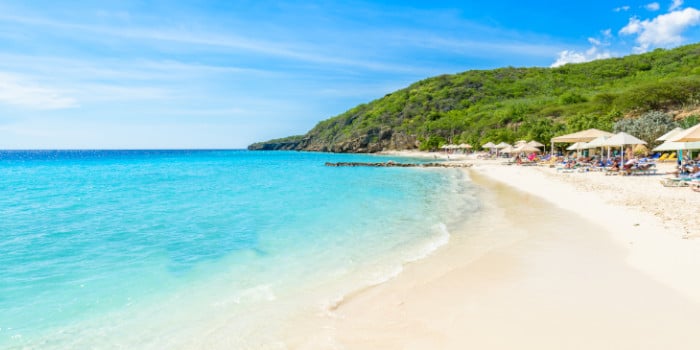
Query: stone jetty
{"x": 400, "y": 165}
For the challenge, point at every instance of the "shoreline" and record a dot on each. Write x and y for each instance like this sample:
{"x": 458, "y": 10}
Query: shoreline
{"x": 646, "y": 297}
{"x": 639, "y": 214}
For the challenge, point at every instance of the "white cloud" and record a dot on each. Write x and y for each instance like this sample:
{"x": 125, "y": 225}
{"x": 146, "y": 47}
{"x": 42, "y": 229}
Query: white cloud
{"x": 621, "y": 9}
{"x": 675, "y": 5}
{"x": 654, "y": 6}
{"x": 595, "y": 52}
{"x": 595, "y": 41}
{"x": 664, "y": 30}
{"x": 572, "y": 56}
{"x": 19, "y": 91}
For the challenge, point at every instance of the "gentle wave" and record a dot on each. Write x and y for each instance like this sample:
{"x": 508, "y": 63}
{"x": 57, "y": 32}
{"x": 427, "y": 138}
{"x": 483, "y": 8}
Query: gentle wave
{"x": 147, "y": 246}
{"x": 442, "y": 238}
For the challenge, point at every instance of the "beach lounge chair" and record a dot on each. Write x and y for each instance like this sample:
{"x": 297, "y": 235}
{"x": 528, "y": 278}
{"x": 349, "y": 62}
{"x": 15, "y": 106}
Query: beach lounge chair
{"x": 663, "y": 157}
{"x": 683, "y": 181}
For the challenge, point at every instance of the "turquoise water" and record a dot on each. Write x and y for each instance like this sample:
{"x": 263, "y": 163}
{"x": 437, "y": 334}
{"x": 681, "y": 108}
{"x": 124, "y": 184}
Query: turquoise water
{"x": 170, "y": 248}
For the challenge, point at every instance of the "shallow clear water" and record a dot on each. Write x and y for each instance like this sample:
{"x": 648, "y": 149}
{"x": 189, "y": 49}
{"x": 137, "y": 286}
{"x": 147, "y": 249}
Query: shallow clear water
{"x": 165, "y": 248}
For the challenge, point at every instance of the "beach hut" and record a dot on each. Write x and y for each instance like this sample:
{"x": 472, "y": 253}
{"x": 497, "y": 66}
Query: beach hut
{"x": 623, "y": 139}
{"x": 581, "y": 136}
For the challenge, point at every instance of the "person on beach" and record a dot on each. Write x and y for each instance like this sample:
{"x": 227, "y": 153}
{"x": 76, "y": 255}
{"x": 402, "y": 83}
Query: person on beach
{"x": 692, "y": 171}
{"x": 615, "y": 165}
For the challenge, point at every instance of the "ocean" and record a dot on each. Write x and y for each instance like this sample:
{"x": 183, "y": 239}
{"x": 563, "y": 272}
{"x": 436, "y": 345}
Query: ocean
{"x": 203, "y": 248}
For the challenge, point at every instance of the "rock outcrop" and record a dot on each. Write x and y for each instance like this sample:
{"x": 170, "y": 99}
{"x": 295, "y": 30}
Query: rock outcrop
{"x": 375, "y": 140}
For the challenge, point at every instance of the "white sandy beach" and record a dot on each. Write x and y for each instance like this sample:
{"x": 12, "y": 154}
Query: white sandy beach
{"x": 559, "y": 261}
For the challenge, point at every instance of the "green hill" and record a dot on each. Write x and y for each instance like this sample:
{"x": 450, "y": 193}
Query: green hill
{"x": 508, "y": 104}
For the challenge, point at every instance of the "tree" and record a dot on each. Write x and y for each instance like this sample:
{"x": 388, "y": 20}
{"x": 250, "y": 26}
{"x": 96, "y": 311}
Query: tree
{"x": 689, "y": 121}
{"x": 648, "y": 127}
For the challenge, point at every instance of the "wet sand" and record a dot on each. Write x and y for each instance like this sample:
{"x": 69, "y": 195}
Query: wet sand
{"x": 524, "y": 274}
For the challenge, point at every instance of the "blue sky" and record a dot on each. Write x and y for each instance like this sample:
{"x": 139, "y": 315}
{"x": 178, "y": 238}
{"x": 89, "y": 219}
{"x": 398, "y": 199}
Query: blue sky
{"x": 198, "y": 74}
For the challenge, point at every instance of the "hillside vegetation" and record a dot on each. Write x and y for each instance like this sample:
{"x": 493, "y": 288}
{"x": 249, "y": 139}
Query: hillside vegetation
{"x": 508, "y": 104}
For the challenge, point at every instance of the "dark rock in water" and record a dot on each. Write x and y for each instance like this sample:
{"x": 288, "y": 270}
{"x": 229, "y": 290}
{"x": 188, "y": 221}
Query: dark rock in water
{"x": 286, "y": 144}
{"x": 279, "y": 146}
{"x": 375, "y": 140}
{"x": 399, "y": 165}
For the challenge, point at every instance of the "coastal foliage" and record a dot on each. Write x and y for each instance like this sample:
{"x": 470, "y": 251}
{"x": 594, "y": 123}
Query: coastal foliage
{"x": 648, "y": 127}
{"x": 509, "y": 104}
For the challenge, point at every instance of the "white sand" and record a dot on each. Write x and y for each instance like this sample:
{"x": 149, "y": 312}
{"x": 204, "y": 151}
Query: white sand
{"x": 556, "y": 261}
{"x": 657, "y": 224}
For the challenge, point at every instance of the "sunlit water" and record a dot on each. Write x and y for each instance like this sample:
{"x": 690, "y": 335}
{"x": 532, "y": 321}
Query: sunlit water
{"x": 158, "y": 249}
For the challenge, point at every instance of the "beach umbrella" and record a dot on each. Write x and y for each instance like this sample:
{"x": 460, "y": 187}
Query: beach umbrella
{"x": 488, "y": 145}
{"x": 465, "y": 145}
{"x": 667, "y": 136}
{"x": 499, "y": 147}
{"x": 622, "y": 139}
{"x": 675, "y": 146}
{"x": 598, "y": 142}
{"x": 535, "y": 144}
{"x": 581, "y": 136}
{"x": 688, "y": 135}
{"x": 576, "y": 146}
{"x": 521, "y": 142}
{"x": 526, "y": 148}
{"x": 507, "y": 149}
